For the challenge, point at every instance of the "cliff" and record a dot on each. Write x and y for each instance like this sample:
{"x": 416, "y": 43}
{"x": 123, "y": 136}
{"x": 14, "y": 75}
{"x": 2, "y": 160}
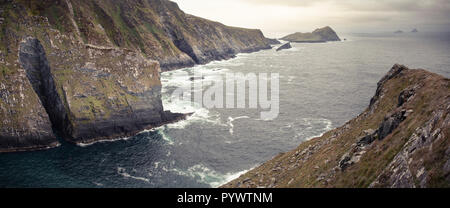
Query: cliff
{"x": 400, "y": 140}
{"x": 320, "y": 35}
{"x": 157, "y": 28}
{"x": 90, "y": 70}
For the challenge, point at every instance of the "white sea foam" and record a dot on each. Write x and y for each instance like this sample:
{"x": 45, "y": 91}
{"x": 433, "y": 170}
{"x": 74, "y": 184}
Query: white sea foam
{"x": 164, "y": 136}
{"x": 230, "y": 122}
{"x": 181, "y": 79}
{"x": 122, "y": 171}
{"x": 205, "y": 175}
{"x": 308, "y": 128}
{"x": 98, "y": 184}
{"x": 328, "y": 125}
{"x": 85, "y": 144}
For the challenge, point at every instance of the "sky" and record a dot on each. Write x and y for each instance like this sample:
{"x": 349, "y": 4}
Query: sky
{"x": 277, "y": 18}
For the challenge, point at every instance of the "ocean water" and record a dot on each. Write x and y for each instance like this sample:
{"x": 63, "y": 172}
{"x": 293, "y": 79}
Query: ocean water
{"x": 322, "y": 85}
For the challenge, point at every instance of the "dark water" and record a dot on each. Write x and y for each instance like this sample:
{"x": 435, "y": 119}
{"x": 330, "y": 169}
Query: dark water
{"x": 321, "y": 86}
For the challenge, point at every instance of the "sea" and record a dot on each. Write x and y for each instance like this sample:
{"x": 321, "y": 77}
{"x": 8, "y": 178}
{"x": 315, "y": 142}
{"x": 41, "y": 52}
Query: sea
{"x": 321, "y": 86}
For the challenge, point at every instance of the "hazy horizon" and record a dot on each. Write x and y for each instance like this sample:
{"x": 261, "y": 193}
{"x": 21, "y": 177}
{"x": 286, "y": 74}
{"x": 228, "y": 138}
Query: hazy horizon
{"x": 281, "y": 17}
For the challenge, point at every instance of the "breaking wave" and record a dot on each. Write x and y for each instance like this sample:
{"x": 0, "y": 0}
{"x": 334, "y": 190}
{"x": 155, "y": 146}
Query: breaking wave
{"x": 203, "y": 174}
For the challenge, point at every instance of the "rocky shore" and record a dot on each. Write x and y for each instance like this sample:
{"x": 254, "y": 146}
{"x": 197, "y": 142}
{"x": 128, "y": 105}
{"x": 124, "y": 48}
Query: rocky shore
{"x": 284, "y": 46}
{"x": 401, "y": 141}
{"x": 90, "y": 70}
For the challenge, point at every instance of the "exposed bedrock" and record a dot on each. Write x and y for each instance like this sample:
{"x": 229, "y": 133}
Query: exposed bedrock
{"x": 33, "y": 59}
{"x": 285, "y": 46}
{"x": 89, "y": 70}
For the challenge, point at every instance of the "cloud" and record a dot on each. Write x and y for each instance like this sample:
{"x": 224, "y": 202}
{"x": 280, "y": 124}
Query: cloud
{"x": 278, "y": 17}
{"x": 362, "y": 5}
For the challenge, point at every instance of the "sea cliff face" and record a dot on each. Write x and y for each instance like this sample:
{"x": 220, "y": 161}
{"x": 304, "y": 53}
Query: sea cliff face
{"x": 90, "y": 70}
{"x": 320, "y": 35}
{"x": 160, "y": 30}
{"x": 401, "y": 140}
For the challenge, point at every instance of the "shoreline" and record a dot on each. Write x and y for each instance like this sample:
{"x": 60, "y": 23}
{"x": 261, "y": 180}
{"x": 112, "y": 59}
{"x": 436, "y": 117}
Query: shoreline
{"x": 32, "y": 149}
{"x": 224, "y": 57}
{"x": 126, "y": 136}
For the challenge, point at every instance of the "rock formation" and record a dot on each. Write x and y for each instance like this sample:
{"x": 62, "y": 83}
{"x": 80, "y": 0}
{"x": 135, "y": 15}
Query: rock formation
{"x": 401, "y": 140}
{"x": 273, "y": 41}
{"x": 284, "y": 46}
{"x": 90, "y": 70}
{"x": 320, "y": 35}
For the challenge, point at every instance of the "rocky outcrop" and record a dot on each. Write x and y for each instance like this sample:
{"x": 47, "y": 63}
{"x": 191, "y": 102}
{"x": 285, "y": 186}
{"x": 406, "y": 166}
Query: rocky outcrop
{"x": 401, "y": 140}
{"x": 284, "y": 46}
{"x": 24, "y": 123}
{"x": 320, "y": 35}
{"x": 90, "y": 70}
{"x": 273, "y": 41}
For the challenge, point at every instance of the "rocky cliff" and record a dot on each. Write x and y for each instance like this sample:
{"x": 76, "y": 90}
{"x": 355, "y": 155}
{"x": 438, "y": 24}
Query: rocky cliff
{"x": 90, "y": 70}
{"x": 401, "y": 140}
{"x": 320, "y": 35}
{"x": 157, "y": 28}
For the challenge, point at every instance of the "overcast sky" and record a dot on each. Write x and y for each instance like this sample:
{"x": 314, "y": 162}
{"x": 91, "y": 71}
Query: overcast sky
{"x": 280, "y": 17}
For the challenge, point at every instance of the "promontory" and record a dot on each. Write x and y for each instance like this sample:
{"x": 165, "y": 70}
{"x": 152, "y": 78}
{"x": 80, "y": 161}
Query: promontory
{"x": 89, "y": 70}
{"x": 402, "y": 140}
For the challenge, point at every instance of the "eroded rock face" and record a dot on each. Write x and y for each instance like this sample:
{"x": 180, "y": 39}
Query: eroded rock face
{"x": 162, "y": 31}
{"x": 390, "y": 123}
{"x": 406, "y": 170}
{"x": 33, "y": 59}
{"x": 52, "y": 80}
{"x": 111, "y": 93}
{"x": 24, "y": 123}
{"x": 91, "y": 69}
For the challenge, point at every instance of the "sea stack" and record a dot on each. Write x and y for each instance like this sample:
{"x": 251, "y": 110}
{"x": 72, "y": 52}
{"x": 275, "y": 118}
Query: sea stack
{"x": 285, "y": 46}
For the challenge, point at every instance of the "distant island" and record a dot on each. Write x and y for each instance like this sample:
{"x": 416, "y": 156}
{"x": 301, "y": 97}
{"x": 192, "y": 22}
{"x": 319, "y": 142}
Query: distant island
{"x": 398, "y": 32}
{"x": 320, "y": 35}
{"x": 414, "y": 30}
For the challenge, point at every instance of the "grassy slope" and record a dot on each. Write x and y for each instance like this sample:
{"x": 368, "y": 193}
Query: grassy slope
{"x": 152, "y": 27}
{"x": 314, "y": 163}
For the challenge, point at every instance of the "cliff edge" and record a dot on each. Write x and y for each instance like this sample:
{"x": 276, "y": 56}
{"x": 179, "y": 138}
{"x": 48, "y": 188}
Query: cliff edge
{"x": 90, "y": 70}
{"x": 401, "y": 140}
